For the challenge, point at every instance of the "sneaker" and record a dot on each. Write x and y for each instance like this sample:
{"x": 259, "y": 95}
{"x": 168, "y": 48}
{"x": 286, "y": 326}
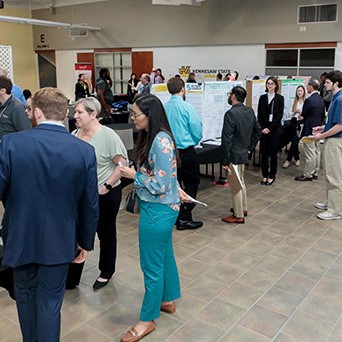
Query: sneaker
{"x": 321, "y": 205}
{"x": 326, "y": 215}
{"x": 286, "y": 164}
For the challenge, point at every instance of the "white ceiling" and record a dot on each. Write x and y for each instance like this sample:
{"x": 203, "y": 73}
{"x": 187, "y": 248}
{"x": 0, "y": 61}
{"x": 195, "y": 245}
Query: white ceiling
{"x": 38, "y": 4}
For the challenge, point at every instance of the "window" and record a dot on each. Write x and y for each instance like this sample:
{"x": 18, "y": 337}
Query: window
{"x": 282, "y": 57}
{"x": 317, "y": 13}
{"x": 119, "y": 65}
{"x": 299, "y": 61}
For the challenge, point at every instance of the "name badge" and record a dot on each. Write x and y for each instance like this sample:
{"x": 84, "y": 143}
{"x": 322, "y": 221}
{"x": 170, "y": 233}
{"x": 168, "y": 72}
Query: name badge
{"x": 270, "y": 118}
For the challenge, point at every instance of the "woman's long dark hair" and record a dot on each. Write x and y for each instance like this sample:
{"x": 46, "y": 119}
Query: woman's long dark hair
{"x": 152, "y": 107}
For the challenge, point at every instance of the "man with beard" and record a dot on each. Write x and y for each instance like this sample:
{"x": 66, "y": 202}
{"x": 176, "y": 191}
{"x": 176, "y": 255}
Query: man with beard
{"x": 240, "y": 133}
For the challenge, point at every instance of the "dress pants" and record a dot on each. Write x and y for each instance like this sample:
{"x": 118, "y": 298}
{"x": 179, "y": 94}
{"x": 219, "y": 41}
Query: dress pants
{"x": 109, "y": 205}
{"x": 333, "y": 174}
{"x": 269, "y": 147}
{"x": 39, "y": 296}
{"x": 157, "y": 258}
{"x": 312, "y": 154}
{"x": 188, "y": 176}
{"x": 240, "y": 198}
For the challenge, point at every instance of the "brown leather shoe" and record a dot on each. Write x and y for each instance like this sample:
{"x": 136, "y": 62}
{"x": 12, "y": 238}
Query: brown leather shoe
{"x": 133, "y": 336}
{"x": 244, "y": 212}
{"x": 303, "y": 178}
{"x": 168, "y": 308}
{"x": 233, "y": 219}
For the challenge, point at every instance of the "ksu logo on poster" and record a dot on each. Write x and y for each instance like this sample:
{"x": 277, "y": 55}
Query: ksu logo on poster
{"x": 184, "y": 71}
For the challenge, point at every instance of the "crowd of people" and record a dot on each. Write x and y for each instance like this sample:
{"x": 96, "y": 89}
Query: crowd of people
{"x": 50, "y": 220}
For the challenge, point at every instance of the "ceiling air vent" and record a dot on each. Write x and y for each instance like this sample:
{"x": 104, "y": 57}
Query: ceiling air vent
{"x": 317, "y": 13}
{"x": 78, "y": 32}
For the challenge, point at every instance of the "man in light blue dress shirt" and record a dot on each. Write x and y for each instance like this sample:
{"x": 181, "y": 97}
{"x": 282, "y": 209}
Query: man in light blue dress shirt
{"x": 186, "y": 128}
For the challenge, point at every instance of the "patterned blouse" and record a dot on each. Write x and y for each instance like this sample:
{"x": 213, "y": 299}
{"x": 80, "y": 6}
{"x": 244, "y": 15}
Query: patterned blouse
{"x": 159, "y": 184}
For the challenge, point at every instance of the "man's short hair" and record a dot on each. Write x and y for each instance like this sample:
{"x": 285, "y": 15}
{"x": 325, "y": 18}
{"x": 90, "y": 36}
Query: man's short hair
{"x": 335, "y": 76}
{"x": 52, "y": 102}
{"x": 147, "y": 78}
{"x": 314, "y": 84}
{"x": 6, "y": 83}
{"x": 175, "y": 85}
{"x": 239, "y": 92}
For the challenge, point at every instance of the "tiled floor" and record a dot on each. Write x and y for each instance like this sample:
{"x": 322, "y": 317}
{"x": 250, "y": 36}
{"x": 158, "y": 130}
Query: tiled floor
{"x": 278, "y": 277}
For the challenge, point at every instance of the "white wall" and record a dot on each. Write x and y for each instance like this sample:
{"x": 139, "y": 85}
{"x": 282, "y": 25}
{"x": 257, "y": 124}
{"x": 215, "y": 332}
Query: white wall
{"x": 246, "y": 59}
{"x": 65, "y": 70}
{"x": 338, "y": 56}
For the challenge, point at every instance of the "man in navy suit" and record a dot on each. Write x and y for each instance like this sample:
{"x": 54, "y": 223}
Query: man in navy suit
{"x": 48, "y": 185}
{"x": 313, "y": 114}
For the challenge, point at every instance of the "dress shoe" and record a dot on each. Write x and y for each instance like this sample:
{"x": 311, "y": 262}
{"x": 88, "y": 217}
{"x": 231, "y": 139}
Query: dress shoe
{"x": 321, "y": 205}
{"x": 286, "y": 164}
{"x": 233, "y": 219}
{"x": 297, "y": 163}
{"x": 168, "y": 308}
{"x": 270, "y": 182}
{"x": 315, "y": 177}
{"x": 303, "y": 178}
{"x": 182, "y": 225}
{"x": 100, "y": 284}
{"x": 327, "y": 215}
{"x": 133, "y": 336}
{"x": 244, "y": 212}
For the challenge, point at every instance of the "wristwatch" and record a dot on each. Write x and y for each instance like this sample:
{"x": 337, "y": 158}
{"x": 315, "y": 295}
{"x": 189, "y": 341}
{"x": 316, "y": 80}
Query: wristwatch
{"x": 108, "y": 186}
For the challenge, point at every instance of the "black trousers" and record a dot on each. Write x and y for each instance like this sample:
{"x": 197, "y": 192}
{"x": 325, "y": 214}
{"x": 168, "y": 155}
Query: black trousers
{"x": 188, "y": 175}
{"x": 109, "y": 205}
{"x": 269, "y": 147}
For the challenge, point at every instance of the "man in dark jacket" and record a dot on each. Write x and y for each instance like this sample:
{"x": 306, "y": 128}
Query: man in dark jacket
{"x": 12, "y": 112}
{"x": 240, "y": 133}
{"x": 313, "y": 114}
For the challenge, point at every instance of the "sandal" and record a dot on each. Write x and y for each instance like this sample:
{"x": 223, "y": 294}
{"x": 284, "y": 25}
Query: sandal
{"x": 133, "y": 336}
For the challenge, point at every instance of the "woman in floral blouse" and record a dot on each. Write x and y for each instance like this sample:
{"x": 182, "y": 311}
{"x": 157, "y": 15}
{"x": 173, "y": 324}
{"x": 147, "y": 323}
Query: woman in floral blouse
{"x": 157, "y": 189}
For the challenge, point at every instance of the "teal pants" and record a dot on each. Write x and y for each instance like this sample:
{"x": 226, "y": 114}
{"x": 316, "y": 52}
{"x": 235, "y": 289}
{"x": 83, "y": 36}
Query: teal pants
{"x": 156, "y": 258}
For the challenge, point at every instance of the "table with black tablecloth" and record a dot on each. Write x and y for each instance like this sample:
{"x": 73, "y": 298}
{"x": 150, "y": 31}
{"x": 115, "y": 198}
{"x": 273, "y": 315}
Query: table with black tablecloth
{"x": 210, "y": 154}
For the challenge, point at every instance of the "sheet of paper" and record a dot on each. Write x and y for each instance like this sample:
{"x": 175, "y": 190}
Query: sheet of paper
{"x": 198, "y": 202}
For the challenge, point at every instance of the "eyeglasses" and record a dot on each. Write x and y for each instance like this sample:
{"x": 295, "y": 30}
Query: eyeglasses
{"x": 28, "y": 108}
{"x": 134, "y": 114}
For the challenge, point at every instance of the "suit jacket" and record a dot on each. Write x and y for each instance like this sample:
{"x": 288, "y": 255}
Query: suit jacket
{"x": 48, "y": 184}
{"x": 313, "y": 113}
{"x": 264, "y": 110}
{"x": 240, "y": 133}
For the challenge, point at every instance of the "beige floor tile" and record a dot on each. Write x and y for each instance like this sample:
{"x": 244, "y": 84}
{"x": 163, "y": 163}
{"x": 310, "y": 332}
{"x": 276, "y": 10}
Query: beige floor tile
{"x": 220, "y": 314}
{"x": 197, "y": 330}
{"x": 210, "y": 256}
{"x": 263, "y": 321}
{"x": 241, "y": 295}
{"x": 242, "y": 334}
{"x": 205, "y": 288}
{"x": 85, "y": 334}
{"x": 295, "y": 283}
{"x": 280, "y": 301}
{"x": 336, "y": 334}
{"x": 322, "y": 307}
{"x": 241, "y": 260}
{"x": 192, "y": 268}
{"x": 9, "y": 331}
{"x": 305, "y": 327}
{"x": 258, "y": 278}
{"x": 225, "y": 273}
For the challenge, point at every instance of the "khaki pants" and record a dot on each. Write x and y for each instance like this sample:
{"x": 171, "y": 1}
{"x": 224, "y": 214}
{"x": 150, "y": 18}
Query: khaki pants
{"x": 333, "y": 174}
{"x": 312, "y": 155}
{"x": 240, "y": 198}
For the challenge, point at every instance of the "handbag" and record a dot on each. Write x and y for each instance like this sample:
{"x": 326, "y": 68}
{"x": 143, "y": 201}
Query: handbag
{"x": 132, "y": 205}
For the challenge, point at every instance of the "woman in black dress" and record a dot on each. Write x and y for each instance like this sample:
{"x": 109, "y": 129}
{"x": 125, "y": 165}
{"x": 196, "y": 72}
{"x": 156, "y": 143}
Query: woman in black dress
{"x": 270, "y": 113}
